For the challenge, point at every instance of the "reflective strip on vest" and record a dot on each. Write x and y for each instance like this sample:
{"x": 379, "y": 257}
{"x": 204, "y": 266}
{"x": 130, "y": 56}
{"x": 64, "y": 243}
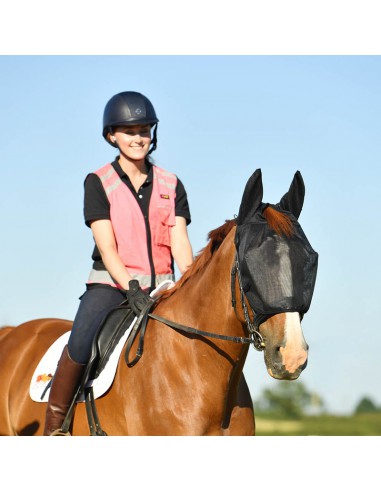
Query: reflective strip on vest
{"x": 169, "y": 185}
{"x": 110, "y": 180}
{"x": 103, "y": 277}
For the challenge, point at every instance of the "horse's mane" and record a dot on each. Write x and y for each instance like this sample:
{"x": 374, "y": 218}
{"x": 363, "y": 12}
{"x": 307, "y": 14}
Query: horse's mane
{"x": 277, "y": 221}
{"x": 215, "y": 238}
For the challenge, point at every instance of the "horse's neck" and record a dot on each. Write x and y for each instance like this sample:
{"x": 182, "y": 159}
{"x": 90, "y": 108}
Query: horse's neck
{"x": 205, "y": 299}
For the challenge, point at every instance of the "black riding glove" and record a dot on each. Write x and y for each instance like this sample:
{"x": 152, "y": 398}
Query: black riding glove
{"x": 137, "y": 298}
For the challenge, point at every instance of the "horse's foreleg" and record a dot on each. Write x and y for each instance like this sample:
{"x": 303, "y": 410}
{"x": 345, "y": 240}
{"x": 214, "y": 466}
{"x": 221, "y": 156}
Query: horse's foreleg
{"x": 242, "y": 422}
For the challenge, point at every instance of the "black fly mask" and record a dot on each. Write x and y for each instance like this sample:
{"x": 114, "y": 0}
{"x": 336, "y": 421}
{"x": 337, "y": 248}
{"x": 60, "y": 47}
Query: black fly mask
{"x": 277, "y": 271}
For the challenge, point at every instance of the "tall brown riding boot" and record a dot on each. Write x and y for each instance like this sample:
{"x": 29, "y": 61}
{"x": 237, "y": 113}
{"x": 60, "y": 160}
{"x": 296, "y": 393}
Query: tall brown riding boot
{"x": 65, "y": 383}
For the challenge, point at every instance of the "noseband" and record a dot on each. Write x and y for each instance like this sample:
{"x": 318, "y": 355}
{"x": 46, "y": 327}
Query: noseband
{"x": 253, "y": 327}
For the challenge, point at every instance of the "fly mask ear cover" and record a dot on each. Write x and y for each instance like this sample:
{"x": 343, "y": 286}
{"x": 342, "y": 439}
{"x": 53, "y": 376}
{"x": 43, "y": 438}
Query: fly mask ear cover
{"x": 278, "y": 272}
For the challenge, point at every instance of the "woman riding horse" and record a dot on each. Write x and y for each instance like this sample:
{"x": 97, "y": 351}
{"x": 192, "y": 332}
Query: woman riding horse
{"x": 253, "y": 282}
{"x": 138, "y": 214}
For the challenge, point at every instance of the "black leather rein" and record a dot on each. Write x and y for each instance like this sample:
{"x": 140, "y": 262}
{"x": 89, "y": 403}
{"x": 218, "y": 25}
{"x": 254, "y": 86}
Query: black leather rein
{"x": 255, "y": 337}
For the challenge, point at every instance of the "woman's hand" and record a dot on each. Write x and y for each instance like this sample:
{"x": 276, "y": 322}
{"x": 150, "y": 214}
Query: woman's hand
{"x": 137, "y": 298}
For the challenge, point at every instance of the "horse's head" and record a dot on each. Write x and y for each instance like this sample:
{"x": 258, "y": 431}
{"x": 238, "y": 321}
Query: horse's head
{"x": 278, "y": 267}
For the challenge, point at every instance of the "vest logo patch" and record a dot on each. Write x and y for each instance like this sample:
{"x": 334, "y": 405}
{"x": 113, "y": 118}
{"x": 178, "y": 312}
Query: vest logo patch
{"x": 164, "y": 196}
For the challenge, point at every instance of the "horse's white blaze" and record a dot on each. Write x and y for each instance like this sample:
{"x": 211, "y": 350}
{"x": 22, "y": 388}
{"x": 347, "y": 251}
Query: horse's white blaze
{"x": 285, "y": 272}
{"x": 294, "y": 353}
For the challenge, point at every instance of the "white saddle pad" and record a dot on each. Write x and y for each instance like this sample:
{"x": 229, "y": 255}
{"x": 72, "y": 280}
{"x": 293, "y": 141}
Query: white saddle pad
{"x": 46, "y": 367}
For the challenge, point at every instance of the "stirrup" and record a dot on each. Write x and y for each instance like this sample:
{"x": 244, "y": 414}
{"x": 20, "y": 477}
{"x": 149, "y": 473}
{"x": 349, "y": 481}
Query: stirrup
{"x": 60, "y": 432}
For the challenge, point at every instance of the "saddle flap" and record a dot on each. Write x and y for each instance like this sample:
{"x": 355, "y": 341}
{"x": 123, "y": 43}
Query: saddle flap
{"x": 109, "y": 333}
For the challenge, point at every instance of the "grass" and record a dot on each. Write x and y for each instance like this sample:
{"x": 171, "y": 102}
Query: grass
{"x": 321, "y": 425}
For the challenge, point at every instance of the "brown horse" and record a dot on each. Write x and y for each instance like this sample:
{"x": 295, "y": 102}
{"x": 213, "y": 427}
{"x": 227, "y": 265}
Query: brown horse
{"x": 184, "y": 384}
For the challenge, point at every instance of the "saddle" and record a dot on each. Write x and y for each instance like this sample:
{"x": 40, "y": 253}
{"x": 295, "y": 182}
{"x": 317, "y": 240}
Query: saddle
{"x": 109, "y": 333}
{"x": 113, "y": 327}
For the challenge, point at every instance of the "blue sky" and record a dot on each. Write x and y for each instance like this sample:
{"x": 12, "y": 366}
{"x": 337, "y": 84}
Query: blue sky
{"x": 221, "y": 117}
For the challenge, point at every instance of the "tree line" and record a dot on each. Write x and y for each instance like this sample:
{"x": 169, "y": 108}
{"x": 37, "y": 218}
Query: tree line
{"x": 292, "y": 399}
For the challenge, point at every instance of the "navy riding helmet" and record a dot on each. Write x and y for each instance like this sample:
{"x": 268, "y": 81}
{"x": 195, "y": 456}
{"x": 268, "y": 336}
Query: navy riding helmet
{"x": 127, "y": 109}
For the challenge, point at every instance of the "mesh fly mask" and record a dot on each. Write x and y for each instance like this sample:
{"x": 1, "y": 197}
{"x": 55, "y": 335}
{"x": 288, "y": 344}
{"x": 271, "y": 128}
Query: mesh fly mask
{"x": 278, "y": 272}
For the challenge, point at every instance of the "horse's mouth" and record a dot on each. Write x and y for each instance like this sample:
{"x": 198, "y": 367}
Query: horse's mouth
{"x": 280, "y": 372}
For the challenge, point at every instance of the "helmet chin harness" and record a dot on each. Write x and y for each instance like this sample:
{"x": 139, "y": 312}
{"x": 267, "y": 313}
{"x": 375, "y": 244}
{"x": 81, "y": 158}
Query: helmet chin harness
{"x": 154, "y": 140}
{"x": 129, "y": 109}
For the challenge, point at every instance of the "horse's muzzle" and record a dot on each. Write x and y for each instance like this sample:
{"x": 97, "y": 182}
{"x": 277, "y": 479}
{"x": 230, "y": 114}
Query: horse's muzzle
{"x": 285, "y": 365}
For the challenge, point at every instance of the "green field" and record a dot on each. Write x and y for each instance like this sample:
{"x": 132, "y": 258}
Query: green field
{"x": 322, "y": 425}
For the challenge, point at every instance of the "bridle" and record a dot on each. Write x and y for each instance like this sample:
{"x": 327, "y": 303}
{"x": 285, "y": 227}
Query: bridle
{"x": 255, "y": 338}
{"x": 253, "y": 327}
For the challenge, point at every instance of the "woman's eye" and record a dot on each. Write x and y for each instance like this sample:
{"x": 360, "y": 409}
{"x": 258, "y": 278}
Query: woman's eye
{"x": 132, "y": 133}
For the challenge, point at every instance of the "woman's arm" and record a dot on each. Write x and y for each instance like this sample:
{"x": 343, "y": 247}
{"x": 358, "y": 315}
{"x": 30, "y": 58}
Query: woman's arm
{"x": 105, "y": 240}
{"x": 180, "y": 245}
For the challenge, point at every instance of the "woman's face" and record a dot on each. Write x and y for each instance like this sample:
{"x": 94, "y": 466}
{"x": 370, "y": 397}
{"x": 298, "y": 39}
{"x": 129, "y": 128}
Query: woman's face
{"x": 133, "y": 141}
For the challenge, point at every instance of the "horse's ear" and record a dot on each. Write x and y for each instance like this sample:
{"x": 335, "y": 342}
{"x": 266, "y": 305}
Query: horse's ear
{"x": 251, "y": 199}
{"x": 293, "y": 200}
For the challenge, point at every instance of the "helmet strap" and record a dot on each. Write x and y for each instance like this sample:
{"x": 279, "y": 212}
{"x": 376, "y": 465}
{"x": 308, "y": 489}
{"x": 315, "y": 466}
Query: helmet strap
{"x": 154, "y": 140}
